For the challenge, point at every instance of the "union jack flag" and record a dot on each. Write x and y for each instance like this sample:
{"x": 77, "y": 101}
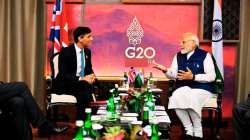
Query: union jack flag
{"x": 59, "y": 26}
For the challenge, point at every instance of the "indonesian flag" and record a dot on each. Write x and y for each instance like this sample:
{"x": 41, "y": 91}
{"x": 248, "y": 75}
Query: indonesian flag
{"x": 59, "y": 26}
{"x": 217, "y": 39}
{"x": 131, "y": 75}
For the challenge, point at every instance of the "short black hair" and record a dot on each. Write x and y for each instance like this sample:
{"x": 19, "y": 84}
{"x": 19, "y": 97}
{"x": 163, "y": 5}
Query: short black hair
{"x": 80, "y": 31}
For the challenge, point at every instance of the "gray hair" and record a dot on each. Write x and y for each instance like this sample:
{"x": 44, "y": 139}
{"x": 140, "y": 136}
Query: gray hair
{"x": 193, "y": 37}
{"x": 196, "y": 40}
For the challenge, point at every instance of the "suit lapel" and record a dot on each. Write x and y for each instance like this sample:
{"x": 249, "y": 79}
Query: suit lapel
{"x": 86, "y": 54}
{"x": 74, "y": 60}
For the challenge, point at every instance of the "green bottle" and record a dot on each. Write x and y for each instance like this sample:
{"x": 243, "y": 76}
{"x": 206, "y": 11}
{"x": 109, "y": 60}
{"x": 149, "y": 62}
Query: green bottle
{"x": 154, "y": 131}
{"x": 88, "y": 131}
{"x": 111, "y": 107}
{"x": 79, "y": 134}
{"x": 145, "y": 118}
{"x": 125, "y": 80}
{"x": 150, "y": 80}
{"x": 150, "y": 103}
{"x": 111, "y": 104}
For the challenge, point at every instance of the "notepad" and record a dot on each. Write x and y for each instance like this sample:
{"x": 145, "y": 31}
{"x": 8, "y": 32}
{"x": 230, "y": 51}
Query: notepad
{"x": 158, "y": 108}
{"x": 160, "y": 113}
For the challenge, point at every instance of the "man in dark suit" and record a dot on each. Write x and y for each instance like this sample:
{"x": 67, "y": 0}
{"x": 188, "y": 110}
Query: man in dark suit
{"x": 75, "y": 74}
{"x": 17, "y": 99}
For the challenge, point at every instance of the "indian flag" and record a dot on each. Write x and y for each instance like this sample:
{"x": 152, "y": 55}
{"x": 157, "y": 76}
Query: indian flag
{"x": 217, "y": 39}
{"x": 139, "y": 80}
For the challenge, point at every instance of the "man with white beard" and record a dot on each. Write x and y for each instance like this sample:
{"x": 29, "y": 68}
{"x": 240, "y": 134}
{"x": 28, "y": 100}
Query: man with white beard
{"x": 194, "y": 72}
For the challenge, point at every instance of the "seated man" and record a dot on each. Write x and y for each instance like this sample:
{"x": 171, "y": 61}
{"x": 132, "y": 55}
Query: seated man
{"x": 194, "y": 72}
{"x": 76, "y": 75}
{"x": 18, "y": 98}
{"x": 241, "y": 119}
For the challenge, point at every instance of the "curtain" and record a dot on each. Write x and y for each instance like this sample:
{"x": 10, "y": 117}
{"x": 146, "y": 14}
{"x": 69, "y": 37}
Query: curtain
{"x": 22, "y": 43}
{"x": 243, "y": 83}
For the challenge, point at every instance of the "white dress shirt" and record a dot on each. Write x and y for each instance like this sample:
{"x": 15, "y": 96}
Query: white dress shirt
{"x": 186, "y": 97}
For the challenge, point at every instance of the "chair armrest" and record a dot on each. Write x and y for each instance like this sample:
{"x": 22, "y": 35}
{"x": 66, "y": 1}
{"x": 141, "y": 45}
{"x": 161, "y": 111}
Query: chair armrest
{"x": 248, "y": 96}
{"x": 171, "y": 87}
{"x": 48, "y": 84}
{"x": 48, "y": 88}
{"x": 95, "y": 91}
{"x": 219, "y": 87}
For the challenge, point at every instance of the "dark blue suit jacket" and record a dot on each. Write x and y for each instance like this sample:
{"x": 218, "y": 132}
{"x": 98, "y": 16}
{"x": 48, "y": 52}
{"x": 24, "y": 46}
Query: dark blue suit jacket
{"x": 68, "y": 64}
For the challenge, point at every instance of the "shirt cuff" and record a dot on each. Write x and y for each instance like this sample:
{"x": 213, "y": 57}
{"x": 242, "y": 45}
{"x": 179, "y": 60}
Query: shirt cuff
{"x": 193, "y": 77}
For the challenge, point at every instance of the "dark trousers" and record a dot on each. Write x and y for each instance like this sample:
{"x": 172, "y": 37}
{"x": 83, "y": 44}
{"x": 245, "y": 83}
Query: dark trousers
{"x": 14, "y": 124}
{"x": 81, "y": 90}
{"x": 241, "y": 120}
{"x": 19, "y": 89}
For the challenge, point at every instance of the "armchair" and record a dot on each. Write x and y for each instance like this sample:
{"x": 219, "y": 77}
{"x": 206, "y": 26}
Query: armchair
{"x": 214, "y": 105}
{"x": 56, "y": 98}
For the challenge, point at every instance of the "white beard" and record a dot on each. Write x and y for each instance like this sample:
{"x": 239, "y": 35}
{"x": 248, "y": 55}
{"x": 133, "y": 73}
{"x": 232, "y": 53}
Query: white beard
{"x": 184, "y": 51}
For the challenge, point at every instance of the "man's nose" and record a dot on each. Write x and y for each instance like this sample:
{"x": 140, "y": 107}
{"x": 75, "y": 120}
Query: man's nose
{"x": 181, "y": 44}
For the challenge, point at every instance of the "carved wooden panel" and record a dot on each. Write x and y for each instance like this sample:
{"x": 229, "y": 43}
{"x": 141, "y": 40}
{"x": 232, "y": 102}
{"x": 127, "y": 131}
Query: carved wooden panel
{"x": 230, "y": 19}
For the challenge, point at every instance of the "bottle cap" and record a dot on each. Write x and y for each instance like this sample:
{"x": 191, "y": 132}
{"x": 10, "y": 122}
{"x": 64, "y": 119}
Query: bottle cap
{"x": 88, "y": 110}
{"x": 79, "y": 123}
{"x": 116, "y": 85}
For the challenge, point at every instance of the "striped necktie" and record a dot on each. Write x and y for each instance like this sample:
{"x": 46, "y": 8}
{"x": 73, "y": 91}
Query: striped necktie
{"x": 82, "y": 63}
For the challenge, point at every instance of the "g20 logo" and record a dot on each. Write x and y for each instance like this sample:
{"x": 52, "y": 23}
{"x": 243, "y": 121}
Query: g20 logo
{"x": 140, "y": 53}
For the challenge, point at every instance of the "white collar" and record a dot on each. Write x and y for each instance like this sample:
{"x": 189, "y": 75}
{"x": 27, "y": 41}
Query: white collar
{"x": 78, "y": 50}
{"x": 189, "y": 54}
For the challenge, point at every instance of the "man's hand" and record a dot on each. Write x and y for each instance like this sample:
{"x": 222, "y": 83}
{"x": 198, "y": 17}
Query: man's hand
{"x": 185, "y": 75}
{"x": 159, "y": 66}
{"x": 89, "y": 78}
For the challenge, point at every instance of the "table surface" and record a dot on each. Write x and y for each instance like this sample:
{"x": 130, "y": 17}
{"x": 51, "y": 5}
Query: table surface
{"x": 123, "y": 89}
{"x": 125, "y": 120}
